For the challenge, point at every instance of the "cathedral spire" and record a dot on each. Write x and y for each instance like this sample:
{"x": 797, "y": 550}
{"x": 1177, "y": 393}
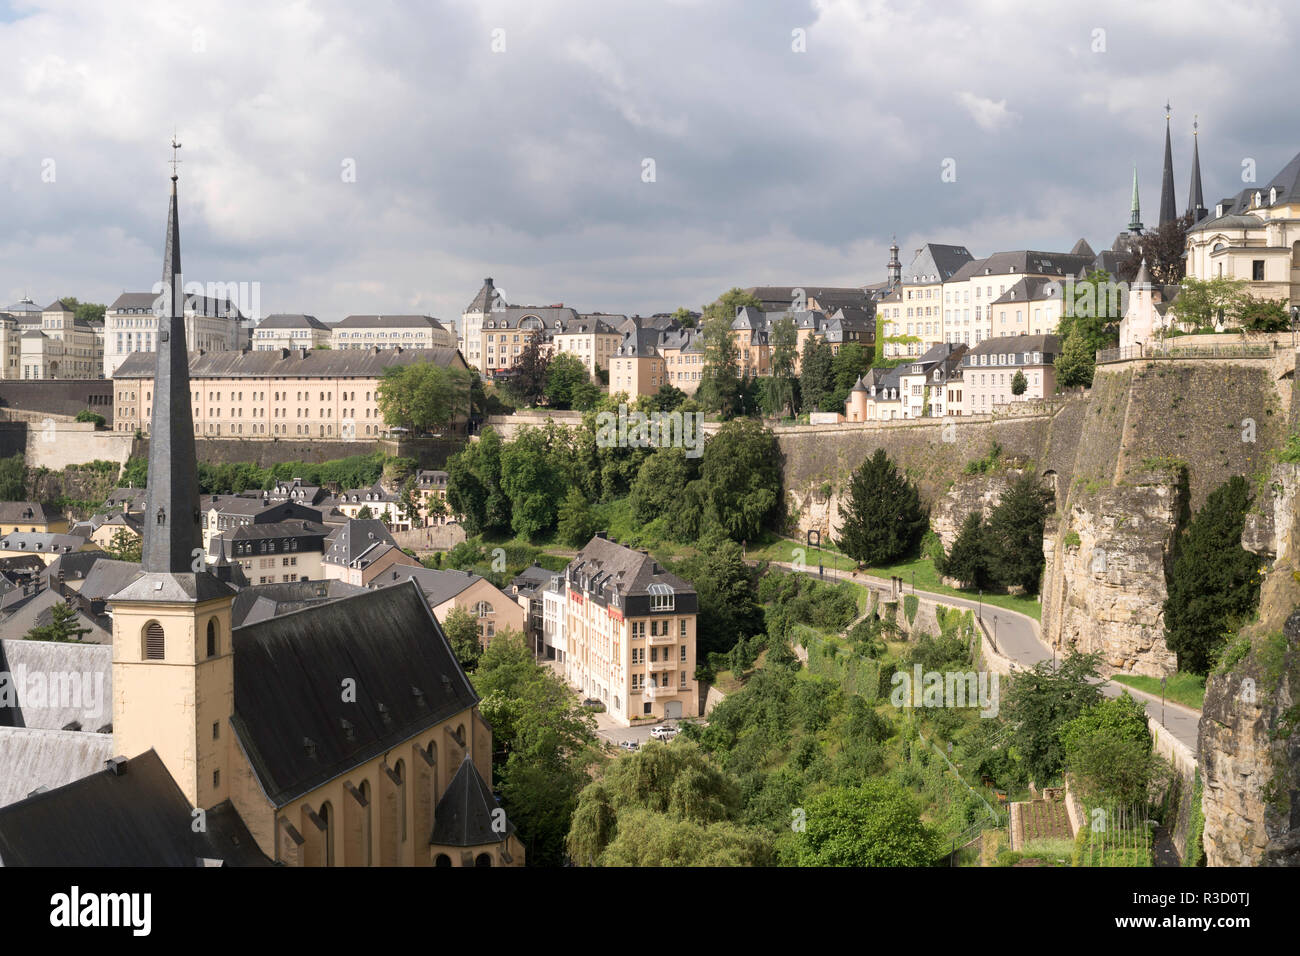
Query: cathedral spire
{"x": 1195, "y": 200}
{"x": 171, "y": 522}
{"x": 1135, "y": 220}
{"x": 1168, "y": 207}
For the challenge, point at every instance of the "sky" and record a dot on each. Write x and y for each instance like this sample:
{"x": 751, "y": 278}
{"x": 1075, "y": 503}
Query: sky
{"x": 616, "y": 156}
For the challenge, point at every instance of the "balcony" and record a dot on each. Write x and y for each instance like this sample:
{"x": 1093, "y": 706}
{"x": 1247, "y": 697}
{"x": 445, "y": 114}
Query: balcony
{"x": 662, "y": 639}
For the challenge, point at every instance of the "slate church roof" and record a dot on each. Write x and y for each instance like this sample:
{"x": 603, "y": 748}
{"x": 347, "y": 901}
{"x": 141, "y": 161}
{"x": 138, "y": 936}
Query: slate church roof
{"x": 463, "y": 816}
{"x": 290, "y": 716}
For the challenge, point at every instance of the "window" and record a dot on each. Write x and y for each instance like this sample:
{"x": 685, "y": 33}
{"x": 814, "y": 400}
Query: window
{"x": 216, "y": 729}
{"x": 1257, "y": 270}
{"x": 683, "y": 627}
{"x": 154, "y": 644}
{"x": 327, "y": 818}
{"x": 661, "y": 597}
{"x": 212, "y": 639}
{"x": 683, "y": 655}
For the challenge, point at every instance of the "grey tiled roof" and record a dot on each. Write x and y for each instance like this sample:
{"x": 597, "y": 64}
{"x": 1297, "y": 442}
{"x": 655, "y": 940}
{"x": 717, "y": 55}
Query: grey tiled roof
{"x": 91, "y": 705}
{"x": 295, "y": 363}
{"x": 464, "y": 815}
{"x": 47, "y": 758}
{"x": 348, "y": 542}
{"x": 292, "y": 321}
{"x": 200, "y": 304}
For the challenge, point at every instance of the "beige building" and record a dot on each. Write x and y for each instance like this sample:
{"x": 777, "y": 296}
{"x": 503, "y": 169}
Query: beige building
{"x": 329, "y": 394}
{"x": 1255, "y": 237}
{"x": 637, "y": 368}
{"x": 989, "y": 370}
{"x": 359, "y": 332}
{"x": 507, "y": 332}
{"x": 590, "y": 339}
{"x": 978, "y": 300}
{"x": 361, "y": 550}
{"x": 912, "y": 312}
{"x": 683, "y": 354}
{"x": 629, "y": 633}
{"x": 494, "y": 610}
{"x": 1031, "y": 306}
{"x": 285, "y": 331}
{"x": 30, "y": 516}
{"x": 131, "y": 326}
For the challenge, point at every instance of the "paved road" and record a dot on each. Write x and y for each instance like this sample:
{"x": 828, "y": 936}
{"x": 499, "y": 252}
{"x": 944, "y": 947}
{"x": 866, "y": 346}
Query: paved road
{"x": 1017, "y": 636}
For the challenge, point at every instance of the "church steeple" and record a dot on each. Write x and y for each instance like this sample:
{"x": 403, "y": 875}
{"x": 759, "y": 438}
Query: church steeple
{"x": 1168, "y": 207}
{"x": 171, "y": 525}
{"x": 1135, "y": 219}
{"x": 895, "y": 267}
{"x": 1195, "y": 200}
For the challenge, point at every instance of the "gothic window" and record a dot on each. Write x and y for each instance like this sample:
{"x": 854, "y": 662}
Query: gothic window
{"x": 212, "y": 637}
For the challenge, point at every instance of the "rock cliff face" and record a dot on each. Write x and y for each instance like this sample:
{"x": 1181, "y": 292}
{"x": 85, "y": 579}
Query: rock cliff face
{"x": 1106, "y": 569}
{"x": 1250, "y": 755}
{"x": 968, "y": 493}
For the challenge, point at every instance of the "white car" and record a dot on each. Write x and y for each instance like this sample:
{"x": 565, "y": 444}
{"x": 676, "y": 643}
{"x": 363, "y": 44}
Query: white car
{"x": 664, "y": 733}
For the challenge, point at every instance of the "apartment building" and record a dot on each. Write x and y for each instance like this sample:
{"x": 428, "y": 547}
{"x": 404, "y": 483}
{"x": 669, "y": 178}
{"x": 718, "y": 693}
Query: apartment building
{"x": 507, "y": 332}
{"x": 274, "y": 552}
{"x": 629, "y": 633}
{"x": 290, "y": 331}
{"x": 131, "y": 326}
{"x": 682, "y": 351}
{"x": 360, "y": 550}
{"x": 299, "y": 393}
{"x": 913, "y": 310}
{"x": 493, "y": 609}
{"x": 30, "y": 516}
{"x": 969, "y": 297}
{"x": 990, "y": 367}
{"x": 591, "y": 339}
{"x": 637, "y": 367}
{"x": 58, "y": 346}
{"x": 390, "y": 332}
{"x": 489, "y": 299}
{"x": 1032, "y": 306}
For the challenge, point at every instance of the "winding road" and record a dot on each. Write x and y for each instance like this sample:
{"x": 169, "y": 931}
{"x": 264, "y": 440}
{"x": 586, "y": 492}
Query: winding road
{"x": 1018, "y": 637}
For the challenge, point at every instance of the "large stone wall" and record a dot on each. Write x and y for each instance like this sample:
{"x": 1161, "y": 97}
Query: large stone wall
{"x": 59, "y": 396}
{"x": 55, "y": 445}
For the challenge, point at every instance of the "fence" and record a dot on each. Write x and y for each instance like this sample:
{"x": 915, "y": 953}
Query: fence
{"x": 1170, "y": 351}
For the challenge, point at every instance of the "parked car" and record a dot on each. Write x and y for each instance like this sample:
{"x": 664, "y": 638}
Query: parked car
{"x": 630, "y": 745}
{"x": 593, "y": 704}
{"x": 663, "y": 732}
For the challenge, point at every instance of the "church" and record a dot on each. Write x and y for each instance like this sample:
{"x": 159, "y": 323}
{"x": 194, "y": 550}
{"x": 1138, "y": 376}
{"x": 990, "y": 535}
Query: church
{"x": 344, "y": 733}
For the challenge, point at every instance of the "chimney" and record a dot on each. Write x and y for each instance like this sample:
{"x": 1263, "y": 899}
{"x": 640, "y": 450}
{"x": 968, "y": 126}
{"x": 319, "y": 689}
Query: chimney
{"x": 116, "y": 766}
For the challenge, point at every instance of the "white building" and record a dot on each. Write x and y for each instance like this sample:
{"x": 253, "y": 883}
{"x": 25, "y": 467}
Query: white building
{"x": 131, "y": 325}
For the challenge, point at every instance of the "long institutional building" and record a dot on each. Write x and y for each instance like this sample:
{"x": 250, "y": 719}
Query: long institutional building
{"x": 298, "y": 393}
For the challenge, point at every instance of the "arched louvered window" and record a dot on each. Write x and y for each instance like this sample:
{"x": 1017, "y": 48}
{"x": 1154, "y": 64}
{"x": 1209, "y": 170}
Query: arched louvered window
{"x": 155, "y": 646}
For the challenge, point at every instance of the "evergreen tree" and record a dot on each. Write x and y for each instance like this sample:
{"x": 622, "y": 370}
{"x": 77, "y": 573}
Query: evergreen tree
{"x": 576, "y": 522}
{"x": 883, "y": 518}
{"x": 968, "y": 560}
{"x": 1015, "y": 535}
{"x": 62, "y": 626}
{"x": 816, "y": 374}
{"x": 1019, "y": 384}
{"x": 1213, "y": 581}
{"x": 461, "y": 630}
{"x": 1077, "y": 361}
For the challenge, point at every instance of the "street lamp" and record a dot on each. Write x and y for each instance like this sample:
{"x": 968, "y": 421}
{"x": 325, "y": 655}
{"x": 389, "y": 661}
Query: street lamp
{"x": 981, "y": 612}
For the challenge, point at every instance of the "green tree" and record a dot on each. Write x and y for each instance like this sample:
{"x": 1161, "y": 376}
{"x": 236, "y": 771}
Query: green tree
{"x": 724, "y": 587}
{"x": 877, "y": 824}
{"x": 1019, "y": 384}
{"x": 720, "y": 385}
{"x": 62, "y": 626}
{"x": 565, "y": 376}
{"x": 968, "y": 559}
{"x": 684, "y": 317}
{"x": 1108, "y": 750}
{"x": 741, "y": 471}
{"x": 410, "y": 502}
{"x": 577, "y": 523}
{"x": 532, "y": 482}
{"x": 783, "y": 386}
{"x": 525, "y": 380}
{"x": 1039, "y": 702}
{"x": 816, "y": 375}
{"x": 364, "y": 513}
{"x": 86, "y": 415}
{"x": 1201, "y": 302}
{"x": 13, "y": 473}
{"x": 474, "y": 486}
{"x": 1076, "y": 362}
{"x": 655, "y": 839}
{"x": 422, "y": 396}
{"x": 125, "y": 546}
{"x": 1264, "y": 315}
{"x": 669, "y": 398}
{"x": 1015, "y": 534}
{"x": 847, "y": 364}
{"x": 883, "y": 518}
{"x": 461, "y": 629}
{"x": 1213, "y": 582}
{"x": 666, "y": 489}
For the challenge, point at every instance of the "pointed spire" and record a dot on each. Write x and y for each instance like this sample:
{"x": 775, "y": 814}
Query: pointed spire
{"x": 895, "y": 267}
{"x": 1195, "y": 200}
{"x": 171, "y": 520}
{"x": 1135, "y": 220}
{"x": 1168, "y": 208}
{"x": 1143, "y": 278}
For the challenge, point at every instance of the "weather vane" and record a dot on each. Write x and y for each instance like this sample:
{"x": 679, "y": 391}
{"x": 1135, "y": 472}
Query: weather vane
{"x": 1168, "y": 108}
{"x": 174, "y": 161}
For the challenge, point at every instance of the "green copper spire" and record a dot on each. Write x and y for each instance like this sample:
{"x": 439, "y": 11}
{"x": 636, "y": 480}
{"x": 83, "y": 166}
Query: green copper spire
{"x": 1135, "y": 224}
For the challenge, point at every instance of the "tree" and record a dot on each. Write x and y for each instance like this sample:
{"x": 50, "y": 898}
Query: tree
{"x": 62, "y": 627}
{"x": 410, "y": 502}
{"x": 474, "y": 486}
{"x": 724, "y": 588}
{"x": 1165, "y": 251}
{"x": 364, "y": 513}
{"x": 741, "y": 471}
{"x": 565, "y": 376}
{"x": 660, "y": 492}
{"x": 1076, "y": 362}
{"x": 877, "y": 824}
{"x": 1019, "y": 383}
{"x": 847, "y": 364}
{"x": 968, "y": 559}
{"x": 669, "y": 398}
{"x": 1202, "y": 302}
{"x": 86, "y": 415}
{"x": 1015, "y": 534}
{"x": 1213, "y": 582}
{"x": 532, "y": 482}
{"x": 720, "y": 386}
{"x": 1041, "y": 701}
{"x": 525, "y": 380}
{"x": 684, "y": 317}
{"x": 883, "y": 518}
{"x": 816, "y": 375}
{"x": 1264, "y": 315}
{"x": 13, "y": 471}
{"x": 577, "y": 523}
{"x": 1108, "y": 750}
{"x": 125, "y": 546}
{"x": 782, "y": 392}
{"x": 461, "y": 629}
{"x": 422, "y": 396}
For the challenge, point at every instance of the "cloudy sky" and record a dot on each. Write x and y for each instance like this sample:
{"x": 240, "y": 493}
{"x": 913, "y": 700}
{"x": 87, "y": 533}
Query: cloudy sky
{"x": 385, "y": 157}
